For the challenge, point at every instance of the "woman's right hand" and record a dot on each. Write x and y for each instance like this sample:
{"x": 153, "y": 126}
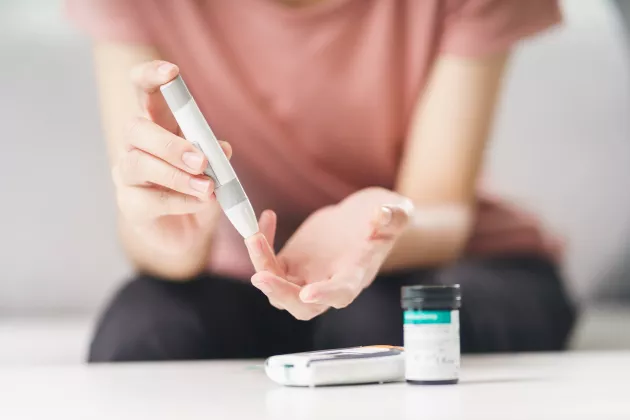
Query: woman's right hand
{"x": 160, "y": 186}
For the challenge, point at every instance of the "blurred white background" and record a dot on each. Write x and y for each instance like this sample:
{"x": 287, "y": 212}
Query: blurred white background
{"x": 58, "y": 246}
{"x": 561, "y": 146}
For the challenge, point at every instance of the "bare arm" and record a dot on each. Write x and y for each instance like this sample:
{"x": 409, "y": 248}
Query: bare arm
{"x": 142, "y": 140}
{"x": 443, "y": 158}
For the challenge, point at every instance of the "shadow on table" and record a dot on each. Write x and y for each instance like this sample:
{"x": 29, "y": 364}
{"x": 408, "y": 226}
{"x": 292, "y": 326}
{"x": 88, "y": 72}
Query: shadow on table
{"x": 482, "y": 381}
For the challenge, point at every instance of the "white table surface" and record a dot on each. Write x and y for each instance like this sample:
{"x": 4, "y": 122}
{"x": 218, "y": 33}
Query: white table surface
{"x": 534, "y": 387}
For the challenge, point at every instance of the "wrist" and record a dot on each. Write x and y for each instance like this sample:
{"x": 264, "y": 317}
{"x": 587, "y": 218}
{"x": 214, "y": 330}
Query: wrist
{"x": 436, "y": 234}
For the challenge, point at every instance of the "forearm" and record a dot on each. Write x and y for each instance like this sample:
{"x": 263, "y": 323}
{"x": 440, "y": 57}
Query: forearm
{"x": 443, "y": 158}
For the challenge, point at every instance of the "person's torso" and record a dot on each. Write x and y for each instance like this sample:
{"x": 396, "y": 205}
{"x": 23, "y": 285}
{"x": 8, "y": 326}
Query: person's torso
{"x": 315, "y": 101}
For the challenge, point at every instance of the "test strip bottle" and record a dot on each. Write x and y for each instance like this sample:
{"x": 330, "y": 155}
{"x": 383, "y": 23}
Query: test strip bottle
{"x": 431, "y": 334}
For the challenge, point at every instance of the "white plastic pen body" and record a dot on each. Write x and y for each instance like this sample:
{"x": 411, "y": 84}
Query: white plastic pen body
{"x": 228, "y": 189}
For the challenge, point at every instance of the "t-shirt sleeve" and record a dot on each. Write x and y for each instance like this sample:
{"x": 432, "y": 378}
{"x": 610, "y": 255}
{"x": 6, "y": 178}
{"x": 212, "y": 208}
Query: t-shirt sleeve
{"x": 109, "y": 20}
{"x": 481, "y": 27}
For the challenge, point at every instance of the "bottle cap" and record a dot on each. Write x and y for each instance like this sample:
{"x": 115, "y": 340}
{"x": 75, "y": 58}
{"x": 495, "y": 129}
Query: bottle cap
{"x": 431, "y": 297}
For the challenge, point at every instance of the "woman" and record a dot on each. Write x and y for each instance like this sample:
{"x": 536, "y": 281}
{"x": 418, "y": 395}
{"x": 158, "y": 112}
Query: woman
{"x": 340, "y": 113}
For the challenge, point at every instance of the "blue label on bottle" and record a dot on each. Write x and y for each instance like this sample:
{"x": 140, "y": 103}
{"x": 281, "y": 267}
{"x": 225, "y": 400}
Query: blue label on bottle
{"x": 427, "y": 317}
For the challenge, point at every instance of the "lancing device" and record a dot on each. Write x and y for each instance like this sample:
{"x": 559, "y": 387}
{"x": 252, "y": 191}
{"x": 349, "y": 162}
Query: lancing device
{"x": 227, "y": 189}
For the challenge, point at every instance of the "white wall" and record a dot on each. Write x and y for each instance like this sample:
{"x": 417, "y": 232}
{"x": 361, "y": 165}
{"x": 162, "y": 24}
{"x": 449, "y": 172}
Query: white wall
{"x": 561, "y": 146}
{"x": 562, "y": 141}
{"x": 58, "y": 246}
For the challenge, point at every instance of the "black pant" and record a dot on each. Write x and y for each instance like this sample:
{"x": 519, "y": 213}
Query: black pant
{"x": 509, "y": 304}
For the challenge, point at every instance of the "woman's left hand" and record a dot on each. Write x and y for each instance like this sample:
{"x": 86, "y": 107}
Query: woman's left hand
{"x": 333, "y": 256}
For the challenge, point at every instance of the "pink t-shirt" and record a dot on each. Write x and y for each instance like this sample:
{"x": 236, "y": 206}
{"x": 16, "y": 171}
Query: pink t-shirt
{"x": 316, "y": 100}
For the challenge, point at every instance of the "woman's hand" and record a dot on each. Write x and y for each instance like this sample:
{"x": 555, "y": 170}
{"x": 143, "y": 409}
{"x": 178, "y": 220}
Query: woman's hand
{"x": 333, "y": 256}
{"x": 160, "y": 185}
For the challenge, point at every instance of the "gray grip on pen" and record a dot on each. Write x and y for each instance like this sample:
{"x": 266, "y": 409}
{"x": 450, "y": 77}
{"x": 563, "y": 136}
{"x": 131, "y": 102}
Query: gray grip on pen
{"x": 230, "y": 194}
{"x": 176, "y": 93}
{"x": 209, "y": 170}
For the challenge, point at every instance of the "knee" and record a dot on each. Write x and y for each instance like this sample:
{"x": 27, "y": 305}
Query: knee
{"x": 148, "y": 320}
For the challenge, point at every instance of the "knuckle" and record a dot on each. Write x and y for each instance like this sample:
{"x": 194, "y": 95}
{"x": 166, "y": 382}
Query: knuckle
{"x": 170, "y": 146}
{"x": 188, "y": 200}
{"x": 132, "y": 129}
{"x": 176, "y": 179}
{"x": 130, "y": 165}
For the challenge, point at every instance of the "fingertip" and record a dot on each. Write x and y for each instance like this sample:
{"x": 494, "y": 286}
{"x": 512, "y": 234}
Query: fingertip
{"x": 149, "y": 75}
{"x": 267, "y": 224}
{"x": 308, "y": 294}
{"x": 227, "y": 148}
{"x": 268, "y": 216}
{"x": 261, "y": 283}
{"x": 167, "y": 70}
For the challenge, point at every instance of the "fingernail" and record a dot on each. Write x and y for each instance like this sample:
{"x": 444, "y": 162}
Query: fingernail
{"x": 385, "y": 218}
{"x": 193, "y": 160}
{"x": 201, "y": 185}
{"x": 166, "y": 68}
{"x": 263, "y": 287}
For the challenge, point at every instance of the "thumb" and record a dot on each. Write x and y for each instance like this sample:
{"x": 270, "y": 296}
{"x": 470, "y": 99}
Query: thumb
{"x": 147, "y": 79}
{"x": 390, "y": 221}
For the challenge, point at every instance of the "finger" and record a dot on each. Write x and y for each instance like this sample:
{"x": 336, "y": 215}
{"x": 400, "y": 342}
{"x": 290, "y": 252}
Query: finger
{"x": 139, "y": 168}
{"x": 337, "y": 292}
{"x": 389, "y": 222}
{"x": 262, "y": 255}
{"x": 142, "y": 204}
{"x": 227, "y": 148}
{"x": 387, "y": 225}
{"x": 147, "y": 79}
{"x": 286, "y": 294}
{"x": 151, "y": 138}
{"x": 267, "y": 224}
{"x": 341, "y": 290}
